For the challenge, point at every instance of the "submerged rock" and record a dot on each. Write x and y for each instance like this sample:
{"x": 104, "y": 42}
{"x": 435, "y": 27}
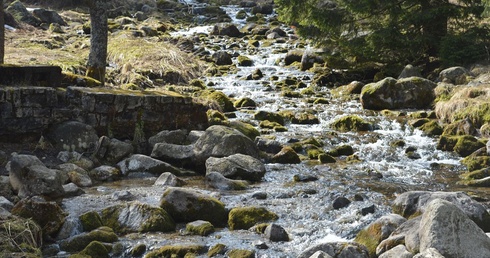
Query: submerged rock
{"x": 143, "y": 163}
{"x": 220, "y": 182}
{"x": 79, "y": 242}
{"x": 337, "y": 249}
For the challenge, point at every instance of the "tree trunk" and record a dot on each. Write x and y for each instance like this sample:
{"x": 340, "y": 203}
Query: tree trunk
{"x": 97, "y": 58}
{"x": 2, "y": 33}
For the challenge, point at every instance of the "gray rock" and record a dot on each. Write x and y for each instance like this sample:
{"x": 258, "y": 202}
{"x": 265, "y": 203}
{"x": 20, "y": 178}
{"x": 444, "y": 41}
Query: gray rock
{"x": 73, "y": 136}
{"x": 67, "y": 156}
{"x": 186, "y": 205}
{"x": 169, "y": 179}
{"x": 178, "y": 137}
{"x": 5, "y": 187}
{"x": 72, "y": 189}
{"x": 123, "y": 196}
{"x": 276, "y": 233}
{"x": 445, "y": 227}
{"x": 389, "y": 93}
{"x": 488, "y": 147}
{"x": 6, "y": 204}
{"x": 222, "y": 141}
{"x": 222, "y": 58}
{"x": 137, "y": 217}
{"x": 179, "y": 155}
{"x": 226, "y": 29}
{"x": 104, "y": 173}
{"x": 76, "y": 174}
{"x": 18, "y": 10}
{"x": 337, "y": 249}
{"x": 409, "y": 203}
{"x": 430, "y": 253}
{"x": 398, "y": 251}
{"x": 293, "y": 56}
{"x": 410, "y": 71}
{"x": 218, "y": 181}
{"x": 29, "y": 177}
{"x": 454, "y": 75}
{"x": 309, "y": 59}
{"x": 143, "y": 163}
{"x": 111, "y": 151}
{"x": 320, "y": 254}
{"x": 71, "y": 227}
{"x": 237, "y": 166}
{"x": 379, "y": 230}
{"x": 48, "y": 16}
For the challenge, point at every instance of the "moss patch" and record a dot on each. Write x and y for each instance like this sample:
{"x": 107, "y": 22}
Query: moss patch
{"x": 202, "y": 228}
{"x": 90, "y": 221}
{"x": 463, "y": 145}
{"x": 351, "y": 123}
{"x": 246, "y": 217}
{"x": 176, "y": 251}
{"x": 239, "y": 253}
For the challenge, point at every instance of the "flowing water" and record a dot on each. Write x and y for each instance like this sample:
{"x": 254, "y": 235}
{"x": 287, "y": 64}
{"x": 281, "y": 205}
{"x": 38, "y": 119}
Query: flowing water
{"x": 305, "y": 208}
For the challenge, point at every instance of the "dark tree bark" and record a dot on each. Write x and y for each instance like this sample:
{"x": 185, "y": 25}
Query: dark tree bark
{"x": 97, "y": 58}
{"x": 2, "y": 33}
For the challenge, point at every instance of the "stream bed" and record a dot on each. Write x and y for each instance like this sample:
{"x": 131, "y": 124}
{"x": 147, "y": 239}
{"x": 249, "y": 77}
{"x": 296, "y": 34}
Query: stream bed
{"x": 305, "y": 208}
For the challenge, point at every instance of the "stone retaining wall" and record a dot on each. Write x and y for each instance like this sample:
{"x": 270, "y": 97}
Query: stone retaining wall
{"x": 27, "y": 112}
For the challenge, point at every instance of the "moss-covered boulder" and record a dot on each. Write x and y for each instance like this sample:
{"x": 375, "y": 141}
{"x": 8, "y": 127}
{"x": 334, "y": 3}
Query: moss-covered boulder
{"x": 286, "y": 156}
{"x": 20, "y": 237}
{"x": 240, "y": 253}
{"x": 326, "y": 158}
{"x": 246, "y": 103}
{"x": 219, "y": 98}
{"x": 412, "y": 92}
{"x": 272, "y": 125}
{"x": 432, "y": 128}
{"x": 90, "y": 220}
{"x": 351, "y": 123}
{"x": 474, "y": 162}
{"x": 49, "y": 215}
{"x": 218, "y": 249}
{"x": 176, "y": 251}
{"x": 79, "y": 242}
{"x": 246, "y": 217}
{"x": 137, "y": 217}
{"x": 270, "y": 116}
{"x": 244, "y": 61}
{"x": 199, "y": 227}
{"x": 377, "y": 231}
{"x": 247, "y": 129}
{"x": 342, "y": 150}
{"x": 95, "y": 249}
{"x": 463, "y": 145}
{"x": 478, "y": 178}
{"x": 186, "y": 205}
{"x": 460, "y": 127}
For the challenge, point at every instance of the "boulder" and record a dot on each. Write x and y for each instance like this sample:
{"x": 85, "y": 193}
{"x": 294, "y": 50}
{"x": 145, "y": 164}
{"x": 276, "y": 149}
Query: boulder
{"x": 105, "y": 173}
{"x": 410, "y": 71}
{"x": 429, "y": 253}
{"x": 76, "y": 174}
{"x": 222, "y": 58}
{"x": 5, "y": 187}
{"x": 246, "y": 217}
{"x": 293, "y": 56}
{"x": 406, "y": 233}
{"x": 186, "y": 205}
{"x": 90, "y": 221}
{"x": 73, "y": 136}
{"x": 169, "y": 179}
{"x": 6, "y": 204}
{"x": 178, "y": 137}
{"x": 412, "y": 203}
{"x": 48, "y": 16}
{"x": 398, "y": 251}
{"x": 218, "y": 181}
{"x": 276, "y": 233}
{"x": 72, "y": 189}
{"x": 309, "y": 59}
{"x": 226, "y": 29}
{"x": 20, "y": 12}
{"x": 79, "y": 242}
{"x": 222, "y": 141}
{"x": 337, "y": 249}
{"x": 351, "y": 123}
{"x": 111, "y": 151}
{"x": 446, "y": 228}
{"x": 48, "y": 215}
{"x": 137, "y": 217}
{"x": 389, "y": 93}
{"x": 143, "y": 163}
{"x": 237, "y": 166}
{"x": 265, "y": 8}
{"x": 320, "y": 254}
{"x": 372, "y": 235}
{"x": 178, "y": 155}
{"x": 268, "y": 145}
{"x": 286, "y": 156}
{"x": 29, "y": 177}
{"x": 199, "y": 227}
{"x": 455, "y": 75}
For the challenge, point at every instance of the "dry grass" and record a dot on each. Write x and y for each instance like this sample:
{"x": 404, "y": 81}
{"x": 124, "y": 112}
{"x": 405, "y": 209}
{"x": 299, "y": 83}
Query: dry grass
{"x": 471, "y": 102}
{"x": 20, "y": 235}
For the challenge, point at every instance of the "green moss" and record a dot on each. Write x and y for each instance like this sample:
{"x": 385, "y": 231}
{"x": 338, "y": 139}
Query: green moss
{"x": 215, "y": 117}
{"x": 176, "y": 251}
{"x": 351, "y": 123}
{"x": 314, "y": 152}
{"x": 239, "y": 253}
{"x": 197, "y": 83}
{"x": 463, "y": 145}
{"x": 343, "y": 150}
{"x": 246, "y": 217}
{"x": 201, "y": 228}
{"x": 290, "y": 94}
{"x": 321, "y": 101}
{"x": 218, "y": 97}
{"x": 218, "y": 249}
{"x": 244, "y": 61}
{"x": 478, "y": 114}
{"x": 473, "y": 163}
{"x": 95, "y": 250}
{"x": 245, "y": 103}
{"x": 260, "y": 228}
{"x": 287, "y": 155}
{"x": 431, "y": 128}
{"x": 270, "y": 116}
{"x": 90, "y": 220}
{"x": 370, "y": 237}
{"x": 79, "y": 242}
{"x": 138, "y": 250}
{"x": 19, "y": 236}
{"x": 247, "y": 129}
